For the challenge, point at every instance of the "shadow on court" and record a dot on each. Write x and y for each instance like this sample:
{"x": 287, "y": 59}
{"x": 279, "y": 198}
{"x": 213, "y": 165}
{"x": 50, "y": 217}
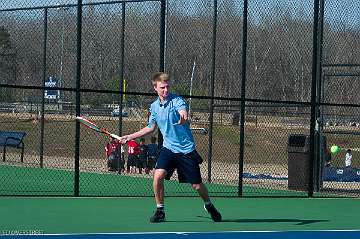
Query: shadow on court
{"x": 265, "y": 220}
{"x": 297, "y": 221}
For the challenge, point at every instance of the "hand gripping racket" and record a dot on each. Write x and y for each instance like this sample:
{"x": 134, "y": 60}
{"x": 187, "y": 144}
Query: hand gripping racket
{"x": 93, "y": 126}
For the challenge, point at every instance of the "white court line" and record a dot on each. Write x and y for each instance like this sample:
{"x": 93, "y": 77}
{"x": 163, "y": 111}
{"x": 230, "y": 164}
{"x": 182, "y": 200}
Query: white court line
{"x": 181, "y": 233}
{"x": 192, "y": 197}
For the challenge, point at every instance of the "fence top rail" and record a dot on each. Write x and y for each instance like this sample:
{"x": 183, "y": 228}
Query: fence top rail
{"x": 343, "y": 74}
{"x": 74, "y": 5}
{"x": 341, "y": 132}
{"x": 341, "y": 65}
{"x": 204, "y": 97}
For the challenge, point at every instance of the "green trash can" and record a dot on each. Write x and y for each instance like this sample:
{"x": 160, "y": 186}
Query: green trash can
{"x": 298, "y": 162}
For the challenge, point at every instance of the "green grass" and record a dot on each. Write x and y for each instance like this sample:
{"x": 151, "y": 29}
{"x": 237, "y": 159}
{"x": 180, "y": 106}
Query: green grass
{"x": 264, "y": 144}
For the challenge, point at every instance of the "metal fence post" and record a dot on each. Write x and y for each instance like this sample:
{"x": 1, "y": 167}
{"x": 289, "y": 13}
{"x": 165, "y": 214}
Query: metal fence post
{"x": 313, "y": 99}
{"x": 243, "y": 95}
{"x": 212, "y": 89}
{"x": 162, "y": 51}
{"x": 318, "y": 133}
{"x": 78, "y": 78}
{"x": 121, "y": 74}
{"x": 42, "y": 121}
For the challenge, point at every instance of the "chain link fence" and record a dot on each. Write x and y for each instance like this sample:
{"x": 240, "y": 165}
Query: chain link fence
{"x": 270, "y": 89}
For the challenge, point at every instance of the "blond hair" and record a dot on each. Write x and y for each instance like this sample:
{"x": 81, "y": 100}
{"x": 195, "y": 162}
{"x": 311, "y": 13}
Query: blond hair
{"x": 160, "y": 77}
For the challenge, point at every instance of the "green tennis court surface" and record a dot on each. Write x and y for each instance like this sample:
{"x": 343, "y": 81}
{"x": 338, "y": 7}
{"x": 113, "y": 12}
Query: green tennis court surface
{"x": 114, "y": 215}
{"x": 80, "y": 217}
{"x": 42, "y": 181}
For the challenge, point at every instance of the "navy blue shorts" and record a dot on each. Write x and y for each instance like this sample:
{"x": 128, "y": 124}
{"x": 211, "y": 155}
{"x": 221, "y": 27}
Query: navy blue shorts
{"x": 187, "y": 165}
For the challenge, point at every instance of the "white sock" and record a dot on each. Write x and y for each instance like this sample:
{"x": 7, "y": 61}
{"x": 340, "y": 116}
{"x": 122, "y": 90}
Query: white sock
{"x": 160, "y": 206}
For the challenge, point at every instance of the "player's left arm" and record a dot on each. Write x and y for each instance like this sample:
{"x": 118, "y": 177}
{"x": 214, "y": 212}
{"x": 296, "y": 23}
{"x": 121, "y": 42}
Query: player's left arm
{"x": 182, "y": 108}
{"x": 183, "y": 116}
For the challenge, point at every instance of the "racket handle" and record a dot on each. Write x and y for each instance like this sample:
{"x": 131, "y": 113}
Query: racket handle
{"x": 115, "y": 136}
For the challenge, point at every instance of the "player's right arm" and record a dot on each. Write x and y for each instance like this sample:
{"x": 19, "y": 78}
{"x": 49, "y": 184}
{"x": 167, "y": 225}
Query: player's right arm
{"x": 144, "y": 131}
{"x": 151, "y": 126}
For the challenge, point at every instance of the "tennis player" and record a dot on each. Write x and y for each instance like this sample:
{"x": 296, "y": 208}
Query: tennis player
{"x": 169, "y": 112}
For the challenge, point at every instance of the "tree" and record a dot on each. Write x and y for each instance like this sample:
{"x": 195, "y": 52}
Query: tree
{"x": 4, "y": 38}
{"x": 7, "y": 64}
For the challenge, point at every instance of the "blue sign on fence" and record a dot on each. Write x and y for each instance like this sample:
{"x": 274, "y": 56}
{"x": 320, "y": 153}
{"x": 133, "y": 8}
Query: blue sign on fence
{"x": 342, "y": 174}
{"x": 51, "y": 94}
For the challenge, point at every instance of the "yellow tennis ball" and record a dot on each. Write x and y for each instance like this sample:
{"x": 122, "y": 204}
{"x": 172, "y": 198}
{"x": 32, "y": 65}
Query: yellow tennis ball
{"x": 335, "y": 149}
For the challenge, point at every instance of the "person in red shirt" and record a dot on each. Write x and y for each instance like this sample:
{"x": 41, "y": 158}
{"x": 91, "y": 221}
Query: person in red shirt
{"x": 114, "y": 153}
{"x": 133, "y": 152}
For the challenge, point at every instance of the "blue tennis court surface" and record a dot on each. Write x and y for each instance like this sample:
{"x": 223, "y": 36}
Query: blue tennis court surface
{"x": 332, "y": 234}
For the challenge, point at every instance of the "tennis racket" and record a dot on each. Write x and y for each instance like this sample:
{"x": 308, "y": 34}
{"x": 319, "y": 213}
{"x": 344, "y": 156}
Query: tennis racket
{"x": 93, "y": 126}
{"x": 202, "y": 131}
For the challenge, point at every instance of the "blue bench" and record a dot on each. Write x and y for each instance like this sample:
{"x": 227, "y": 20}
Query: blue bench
{"x": 12, "y": 139}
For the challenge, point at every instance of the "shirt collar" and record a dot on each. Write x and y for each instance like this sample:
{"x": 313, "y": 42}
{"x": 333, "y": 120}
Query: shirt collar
{"x": 165, "y": 103}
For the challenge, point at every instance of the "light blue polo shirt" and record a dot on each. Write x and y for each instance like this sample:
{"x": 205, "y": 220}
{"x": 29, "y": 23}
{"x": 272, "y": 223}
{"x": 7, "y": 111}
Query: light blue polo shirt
{"x": 177, "y": 138}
